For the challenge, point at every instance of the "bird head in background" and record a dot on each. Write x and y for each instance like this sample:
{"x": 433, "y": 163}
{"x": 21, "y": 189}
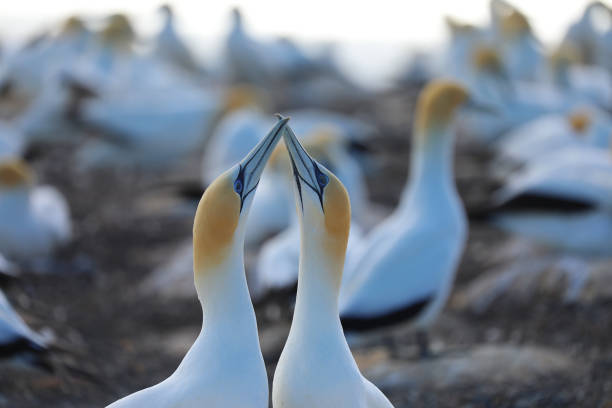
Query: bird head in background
{"x": 73, "y": 25}
{"x": 223, "y": 209}
{"x": 118, "y": 32}
{"x": 322, "y": 203}
{"x": 580, "y": 120}
{"x": 15, "y": 174}
{"x": 514, "y": 25}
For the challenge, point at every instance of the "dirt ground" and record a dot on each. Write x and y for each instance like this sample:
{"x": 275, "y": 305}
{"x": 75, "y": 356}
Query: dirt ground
{"x": 111, "y": 341}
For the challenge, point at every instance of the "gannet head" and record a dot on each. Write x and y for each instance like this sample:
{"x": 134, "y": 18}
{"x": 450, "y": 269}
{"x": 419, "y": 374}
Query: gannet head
{"x": 515, "y": 24}
{"x": 580, "y": 121}
{"x": 242, "y": 96}
{"x": 437, "y": 105}
{"x": 15, "y": 174}
{"x": 457, "y": 27}
{"x": 487, "y": 60}
{"x": 564, "y": 56}
{"x": 322, "y": 204}
{"x": 118, "y": 32}
{"x": 221, "y": 215}
{"x": 72, "y": 25}
{"x": 236, "y": 17}
{"x": 166, "y": 10}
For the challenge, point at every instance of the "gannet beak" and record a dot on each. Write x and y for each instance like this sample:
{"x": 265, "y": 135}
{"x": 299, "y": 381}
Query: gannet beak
{"x": 305, "y": 169}
{"x": 254, "y": 163}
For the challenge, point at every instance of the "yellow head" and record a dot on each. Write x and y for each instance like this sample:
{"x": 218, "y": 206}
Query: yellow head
{"x": 72, "y": 25}
{"x": 457, "y": 27}
{"x": 514, "y": 24}
{"x": 219, "y": 221}
{"x": 323, "y": 206}
{"x": 242, "y": 96}
{"x": 486, "y": 59}
{"x": 580, "y": 121}
{"x": 564, "y": 56}
{"x": 437, "y": 105}
{"x": 15, "y": 173}
{"x": 118, "y": 32}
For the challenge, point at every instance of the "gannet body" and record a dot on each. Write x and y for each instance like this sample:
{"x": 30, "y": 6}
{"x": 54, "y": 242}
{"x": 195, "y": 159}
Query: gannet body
{"x": 569, "y": 190}
{"x": 404, "y": 270}
{"x": 224, "y": 367}
{"x": 11, "y": 140}
{"x": 316, "y": 368}
{"x": 533, "y": 140}
{"x": 152, "y": 129}
{"x": 17, "y": 340}
{"x": 170, "y": 48}
{"x": 33, "y": 220}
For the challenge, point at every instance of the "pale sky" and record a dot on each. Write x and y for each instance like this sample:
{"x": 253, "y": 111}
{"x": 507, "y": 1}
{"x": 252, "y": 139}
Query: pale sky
{"x": 398, "y": 21}
{"x": 382, "y": 29}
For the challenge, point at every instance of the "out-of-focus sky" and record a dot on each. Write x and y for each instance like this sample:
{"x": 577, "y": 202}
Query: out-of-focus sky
{"x": 408, "y": 22}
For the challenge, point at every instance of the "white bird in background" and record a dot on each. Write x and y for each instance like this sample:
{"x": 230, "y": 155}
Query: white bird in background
{"x": 17, "y": 341}
{"x": 587, "y": 35}
{"x": 316, "y": 367}
{"x": 464, "y": 40}
{"x": 521, "y": 52}
{"x": 563, "y": 201}
{"x": 588, "y": 84}
{"x": 170, "y": 48}
{"x": 536, "y": 139}
{"x": 33, "y": 220}
{"x": 224, "y": 367}
{"x": 403, "y": 271}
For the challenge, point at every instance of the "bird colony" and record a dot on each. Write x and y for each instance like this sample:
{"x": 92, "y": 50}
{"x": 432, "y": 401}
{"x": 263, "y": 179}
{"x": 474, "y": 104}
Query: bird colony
{"x": 262, "y": 230}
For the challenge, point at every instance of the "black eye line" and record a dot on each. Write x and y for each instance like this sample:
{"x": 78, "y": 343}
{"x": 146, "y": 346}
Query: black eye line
{"x": 312, "y": 162}
{"x": 241, "y": 178}
{"x": 321, "y": 188}
{"x": 297, "y": 181}
{"x": 267, "y": 147}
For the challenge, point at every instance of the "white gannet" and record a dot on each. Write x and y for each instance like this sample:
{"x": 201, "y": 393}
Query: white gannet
{"x": 34, "y": 220}
{"x": 522, "y": 53}
{"x": 530, "y": 142}
{"x": 224, "y": 367}
{"x": 586, "y": 35}
{"x": 11, "y": 140}
{"x": 464, "y": 40}
{"x": 316, "y": 368}
{"x": 588, "y": 84}
{"x": 170, "y": 48}
{"x": 17, "y": 340}
{"x": 404, "y": 270}
{"x": 564, "y": 201}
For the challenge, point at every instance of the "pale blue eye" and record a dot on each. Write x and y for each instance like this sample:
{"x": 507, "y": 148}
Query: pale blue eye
{"x": 238, "y": 186}
{"x": 322, "y": 179}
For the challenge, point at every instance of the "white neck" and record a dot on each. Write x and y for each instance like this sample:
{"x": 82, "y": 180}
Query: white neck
{"x": 229, "y": 327}
{"x": 431, "y": 166}
{"x": 316, "y": 307}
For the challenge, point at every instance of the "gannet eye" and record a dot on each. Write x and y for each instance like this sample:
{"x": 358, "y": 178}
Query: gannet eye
{"x": 238, "y": 186}
{"x": 322, "y": 179}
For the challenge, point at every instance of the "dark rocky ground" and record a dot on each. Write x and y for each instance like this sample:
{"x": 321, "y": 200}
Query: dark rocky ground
{"x": 111, "y": 341}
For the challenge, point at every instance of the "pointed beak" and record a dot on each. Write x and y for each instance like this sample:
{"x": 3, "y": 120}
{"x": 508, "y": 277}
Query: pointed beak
{"x": 305, "y": 168}
{"x": 254, "y": 163}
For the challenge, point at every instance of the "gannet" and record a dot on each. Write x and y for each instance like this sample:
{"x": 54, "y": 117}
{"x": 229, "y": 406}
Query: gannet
{"x": 588, "y": 84}
{"x": 532, "y": 141}
{"x": 586, "y": 35}
{"x": 564, "y": 201}
{"x": 17, "y": 340}
{"x": 224, "y": 367}
{"x": 34, "y": 220}
{"x": 171, "y": 48}
{"x": 522, "y": 53}
{"x": 464, "y": 40}
{"x": 316, "y": 368}
{"x": 404, "y": 270}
